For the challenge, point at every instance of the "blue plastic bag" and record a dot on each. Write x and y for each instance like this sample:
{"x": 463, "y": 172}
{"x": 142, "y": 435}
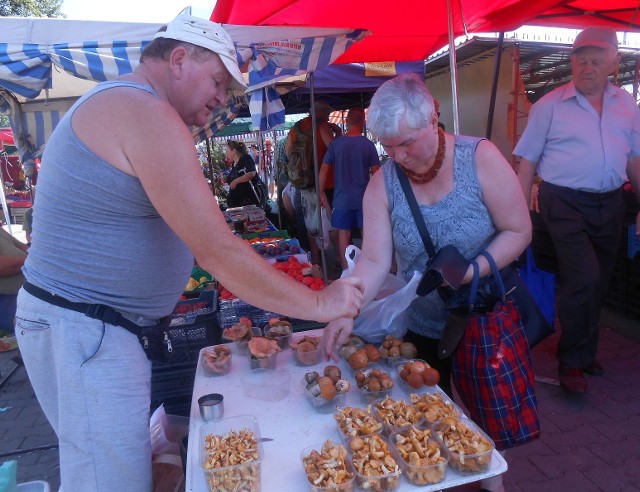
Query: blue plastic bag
{"x": 542, "y": 286}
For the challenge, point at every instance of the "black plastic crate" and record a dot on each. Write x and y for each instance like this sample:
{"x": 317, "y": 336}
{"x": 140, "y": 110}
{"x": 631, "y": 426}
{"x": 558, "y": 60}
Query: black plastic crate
{"x": 205, "y": 302}
{"x": 187, "y": 338}
{"x": 172, "y": 382}
{"x": 231, "y": 310}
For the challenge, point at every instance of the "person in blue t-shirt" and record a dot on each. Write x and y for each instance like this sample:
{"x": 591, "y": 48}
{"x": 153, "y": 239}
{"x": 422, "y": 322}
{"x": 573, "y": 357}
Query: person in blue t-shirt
{"x": 354, "y": 159}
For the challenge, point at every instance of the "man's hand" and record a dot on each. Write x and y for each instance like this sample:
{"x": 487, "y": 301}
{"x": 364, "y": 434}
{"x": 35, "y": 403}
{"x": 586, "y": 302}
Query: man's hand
{"x": 335, "y": 335}
{"x": 323, "y": 199}
{"x": 342, "y": 298}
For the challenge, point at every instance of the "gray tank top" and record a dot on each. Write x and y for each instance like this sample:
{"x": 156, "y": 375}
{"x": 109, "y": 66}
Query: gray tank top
{"x": 460, "y": 218}
{"x": 96, "y": 236}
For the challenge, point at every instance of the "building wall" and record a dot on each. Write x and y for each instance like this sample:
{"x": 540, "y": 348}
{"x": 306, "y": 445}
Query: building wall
{"x": 474, "y": 96}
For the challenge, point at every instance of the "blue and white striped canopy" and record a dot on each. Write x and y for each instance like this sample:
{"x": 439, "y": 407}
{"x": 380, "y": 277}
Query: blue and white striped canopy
{"x": 45, "y": 64}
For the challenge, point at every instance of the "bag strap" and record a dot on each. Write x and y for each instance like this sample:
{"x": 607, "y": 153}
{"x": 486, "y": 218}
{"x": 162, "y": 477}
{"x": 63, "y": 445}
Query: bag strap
{"x": 475, "y": 281}
{"x": 415, "y": 211}
{"x": 496, "y": 273}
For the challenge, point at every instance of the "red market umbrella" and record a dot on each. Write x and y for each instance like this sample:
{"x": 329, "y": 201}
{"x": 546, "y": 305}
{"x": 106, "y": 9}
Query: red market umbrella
{"x": 407, "y": 30}
{"x": 622, "y": 15}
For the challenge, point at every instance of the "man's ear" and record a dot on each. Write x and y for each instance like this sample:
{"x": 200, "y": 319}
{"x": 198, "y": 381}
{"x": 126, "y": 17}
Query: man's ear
{"x": 616, "y": 62}
{"x": 177, "y": 58}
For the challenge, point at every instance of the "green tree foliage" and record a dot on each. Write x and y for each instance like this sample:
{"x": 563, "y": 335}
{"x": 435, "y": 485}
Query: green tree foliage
{"x": 31, "y": 8}
{"x": 4, "y": 120}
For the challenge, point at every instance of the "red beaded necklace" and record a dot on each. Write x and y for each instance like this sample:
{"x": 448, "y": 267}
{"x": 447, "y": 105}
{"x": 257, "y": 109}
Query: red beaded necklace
{"x": 422, "y": 178}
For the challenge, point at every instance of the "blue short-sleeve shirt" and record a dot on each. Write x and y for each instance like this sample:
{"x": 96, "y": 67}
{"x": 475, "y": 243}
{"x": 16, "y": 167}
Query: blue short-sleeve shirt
{"x": 575, "y": 147}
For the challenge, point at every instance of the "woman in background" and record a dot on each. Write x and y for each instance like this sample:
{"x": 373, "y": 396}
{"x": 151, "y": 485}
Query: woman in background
{"x": 244, "y": 183}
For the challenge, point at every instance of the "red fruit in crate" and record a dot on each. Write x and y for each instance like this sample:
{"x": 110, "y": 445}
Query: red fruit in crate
{"x": 431, "y": 376}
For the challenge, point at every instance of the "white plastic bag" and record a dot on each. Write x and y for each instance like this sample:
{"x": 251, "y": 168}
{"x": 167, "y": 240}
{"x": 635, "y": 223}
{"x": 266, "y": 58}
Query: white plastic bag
{"x": 160, "y": 444}
{"x": 313, "y": 214}
{"x": 384, "y": 315}
{"x": 167, "y": 431}
{"x": 326, "y": 227}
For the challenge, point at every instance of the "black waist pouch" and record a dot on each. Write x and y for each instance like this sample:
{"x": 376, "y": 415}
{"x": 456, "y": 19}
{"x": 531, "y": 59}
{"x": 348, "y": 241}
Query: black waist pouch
{"x": 154, "y": 339}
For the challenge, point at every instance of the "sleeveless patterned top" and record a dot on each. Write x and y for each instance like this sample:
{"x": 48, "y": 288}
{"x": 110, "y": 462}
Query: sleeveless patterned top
{"x": 460, "y": 219}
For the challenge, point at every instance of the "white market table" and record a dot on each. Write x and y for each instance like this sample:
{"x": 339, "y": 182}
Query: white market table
{"x": 292, "y": 423}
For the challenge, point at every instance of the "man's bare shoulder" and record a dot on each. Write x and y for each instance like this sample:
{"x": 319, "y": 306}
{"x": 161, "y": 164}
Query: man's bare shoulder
{"x": 119, "y": 124}
{"x": 130, "y": 113}
{"x": 134, "y": 103}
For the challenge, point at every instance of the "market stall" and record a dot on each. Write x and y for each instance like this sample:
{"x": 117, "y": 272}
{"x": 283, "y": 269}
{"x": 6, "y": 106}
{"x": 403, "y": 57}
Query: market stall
{"x": 290, "y": 421}
{"x": 207, "y": 308}
{"x": 48, "y": 63}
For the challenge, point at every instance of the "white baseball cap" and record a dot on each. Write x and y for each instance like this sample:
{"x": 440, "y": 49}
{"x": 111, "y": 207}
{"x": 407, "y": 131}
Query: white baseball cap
{"x": 208, "y": 35}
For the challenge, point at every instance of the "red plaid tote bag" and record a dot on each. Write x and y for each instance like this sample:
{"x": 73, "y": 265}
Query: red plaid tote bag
{"x": 493, "y": 372}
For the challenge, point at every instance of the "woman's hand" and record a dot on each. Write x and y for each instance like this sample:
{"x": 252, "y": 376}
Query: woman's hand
{"x": 335, "y": 335}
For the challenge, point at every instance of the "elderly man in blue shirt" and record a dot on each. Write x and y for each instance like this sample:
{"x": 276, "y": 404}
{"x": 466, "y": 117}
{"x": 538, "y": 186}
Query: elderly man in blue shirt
{"x": 583, "y": 140}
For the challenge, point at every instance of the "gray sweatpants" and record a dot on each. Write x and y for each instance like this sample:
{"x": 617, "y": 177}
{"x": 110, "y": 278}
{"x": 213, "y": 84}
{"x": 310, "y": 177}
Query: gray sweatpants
{"x": 93, "y": 383}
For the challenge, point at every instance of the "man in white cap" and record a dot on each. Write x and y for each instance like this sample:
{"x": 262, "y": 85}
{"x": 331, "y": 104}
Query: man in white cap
{"x": 583, "y": 140}
{"x": 122, "y": 211}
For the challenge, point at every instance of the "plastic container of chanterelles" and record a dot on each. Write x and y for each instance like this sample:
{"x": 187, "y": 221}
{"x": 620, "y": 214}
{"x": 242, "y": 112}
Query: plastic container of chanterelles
{"x": 356, "y": 421}
{"x": 395, "y": 414}
{"x": 469, "y": 446}
{"x": 244, "y": 475}
{"x": 328, "y": 454}
{"x": 422, "y": 457}
{"x": 434, "y": 406}
{"x": 380, "y": 472}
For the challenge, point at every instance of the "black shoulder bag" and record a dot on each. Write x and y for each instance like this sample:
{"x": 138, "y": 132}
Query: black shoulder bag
{"x": 448, "y": 260}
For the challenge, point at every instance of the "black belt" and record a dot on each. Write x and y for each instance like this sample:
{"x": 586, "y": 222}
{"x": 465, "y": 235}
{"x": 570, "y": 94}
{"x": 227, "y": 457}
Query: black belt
{"x": 95, "y": 311}
{"x": 593, "y": 195}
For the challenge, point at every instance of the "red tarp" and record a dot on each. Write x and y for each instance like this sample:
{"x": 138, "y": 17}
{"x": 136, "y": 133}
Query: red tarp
{"x": 622, "y": 15}
{"x": 407, "y": 30}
